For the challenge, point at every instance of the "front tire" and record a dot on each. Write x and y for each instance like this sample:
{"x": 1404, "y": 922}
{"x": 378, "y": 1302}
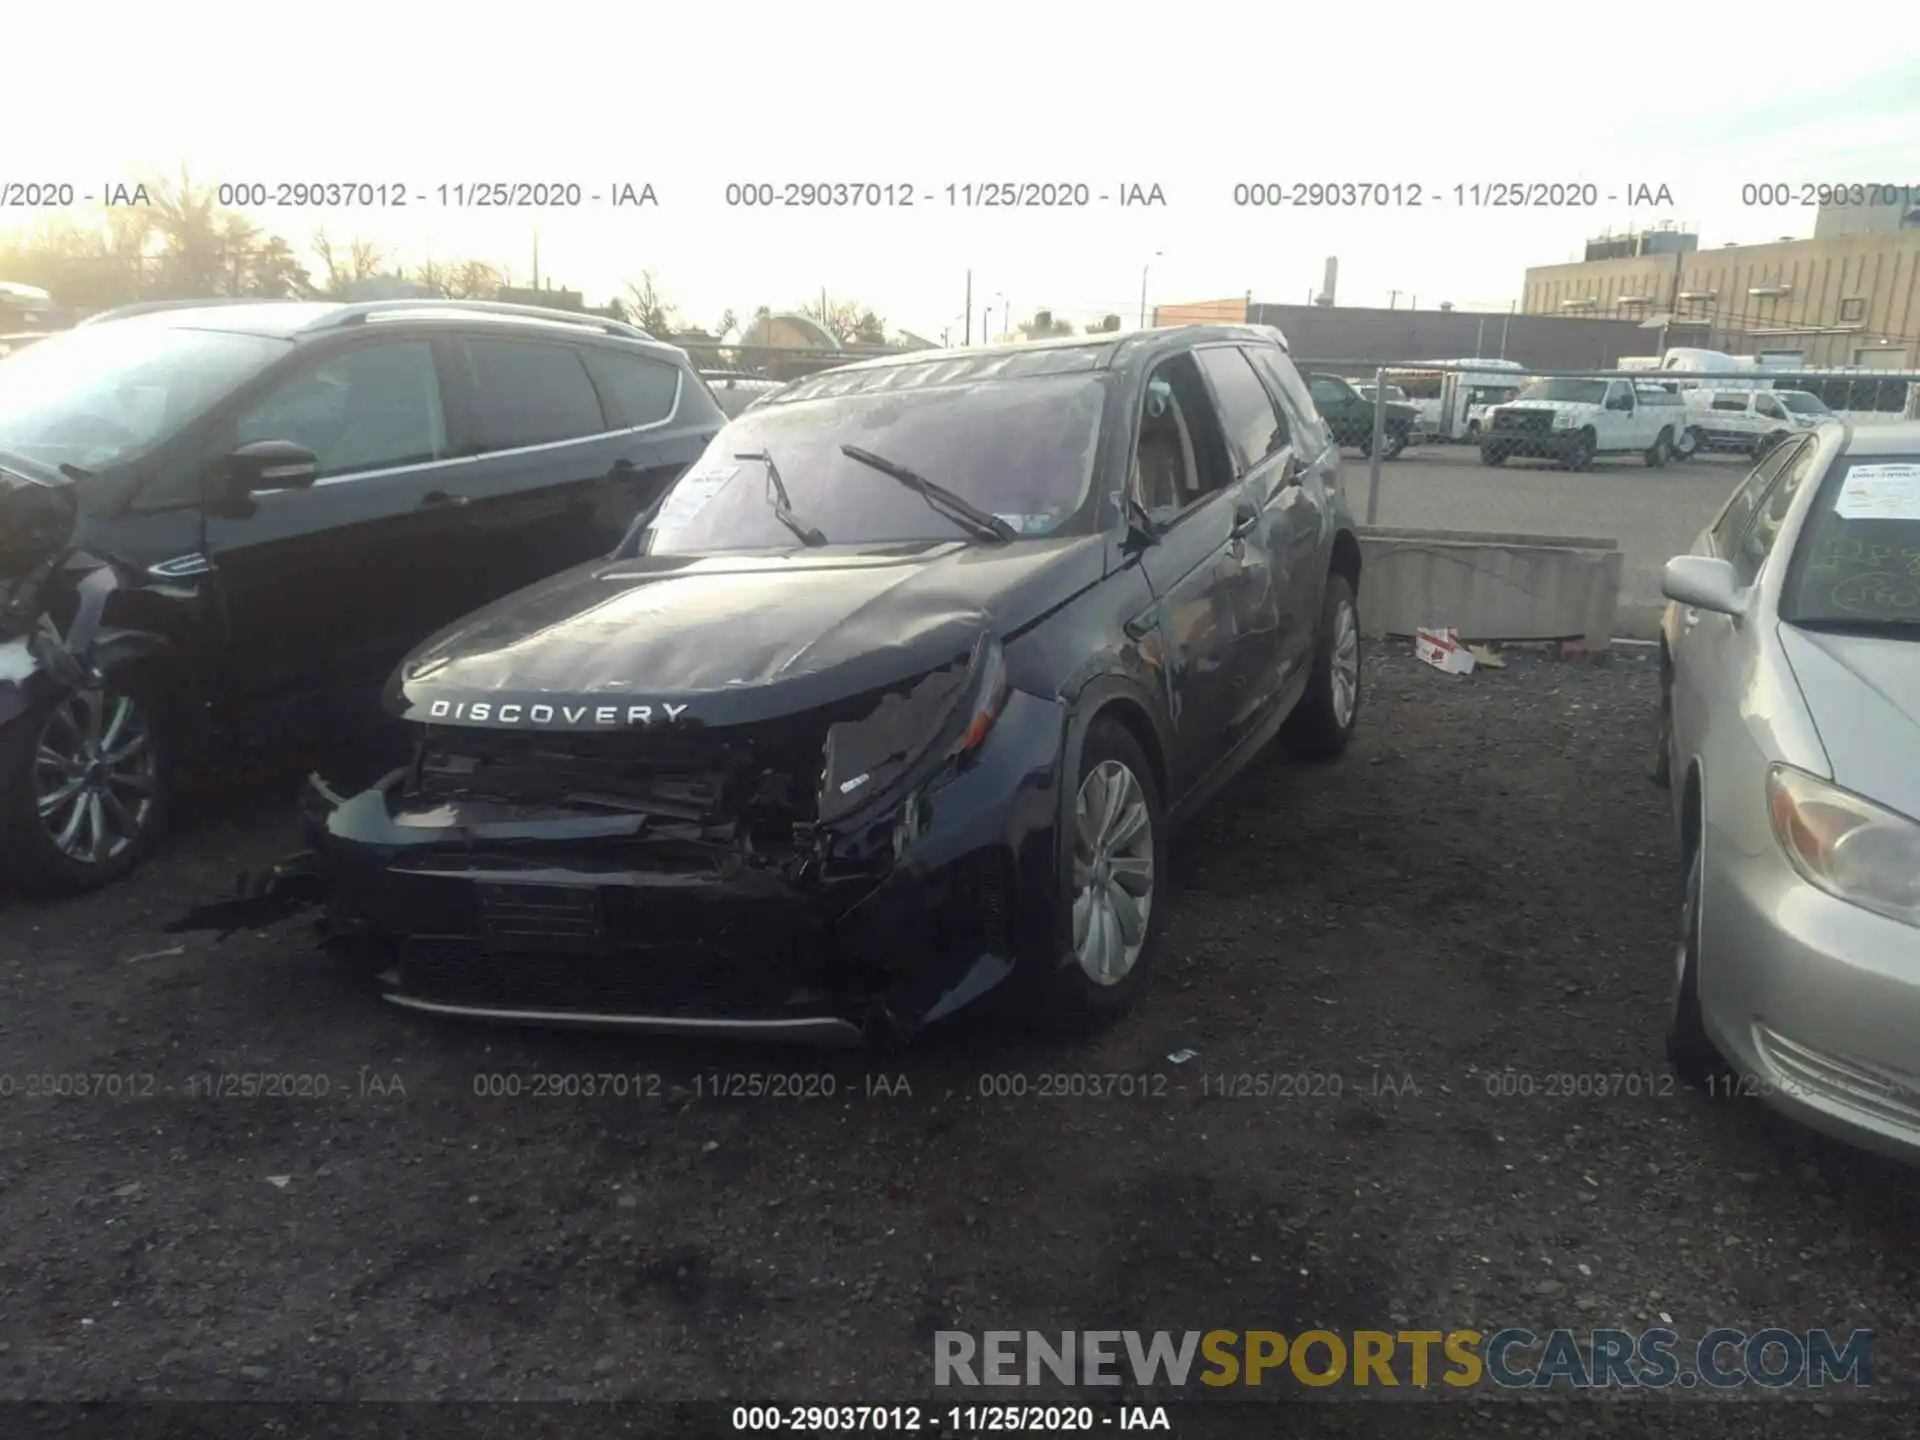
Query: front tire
{"x": 1324, "y": 719}
{"x": 1692, "y": 1055}
{"x": 1396, "y": 442}
{"x": 1660, "y": 451}
{"x": 1115, "y": 853}
{"x": 84, "y": 788}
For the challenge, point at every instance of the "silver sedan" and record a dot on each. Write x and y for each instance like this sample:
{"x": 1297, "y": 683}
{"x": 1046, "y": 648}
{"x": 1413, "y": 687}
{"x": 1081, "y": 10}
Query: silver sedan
{"x": 1791, "y": 743}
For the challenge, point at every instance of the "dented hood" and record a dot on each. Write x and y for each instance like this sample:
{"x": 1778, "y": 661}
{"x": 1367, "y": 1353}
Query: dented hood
{"x": 731, "y": 639}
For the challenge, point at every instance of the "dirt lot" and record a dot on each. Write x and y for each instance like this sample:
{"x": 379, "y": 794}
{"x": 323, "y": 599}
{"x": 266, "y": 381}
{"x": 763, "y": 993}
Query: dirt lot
{"x": 1477, "y": 900}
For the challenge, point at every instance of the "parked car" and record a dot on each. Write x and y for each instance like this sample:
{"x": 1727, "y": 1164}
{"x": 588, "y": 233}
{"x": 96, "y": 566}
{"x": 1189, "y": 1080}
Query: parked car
{"x": 227, "y": 521}
{"x": 1747, "y": 421}
{"x": 1350, "y": 415}
{"x": 734, "y": 391}
{"x": 1791, "y": 742}
{"x": 890, "y": 708}
{"x": 1573, "y": 420}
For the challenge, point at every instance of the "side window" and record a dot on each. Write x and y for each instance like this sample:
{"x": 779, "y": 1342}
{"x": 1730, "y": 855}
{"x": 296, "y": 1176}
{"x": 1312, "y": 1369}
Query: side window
{"x": 635, "y": 390}
{"x": 1730, "y": 402}
{"x": 1733, "y": 520}
{"x": 1180, "y": 455}
{"x": 1619, "y": 396}
{"x": 1768, "y": 406}
{"x": 1327, "y": 392}
{"x": 531, "y": 393}
{"x": 1284, "y": 381}
{"x": 1254, "y": 425}
{"x": 372, "y": 407}
{"x": 1751, "y": 554}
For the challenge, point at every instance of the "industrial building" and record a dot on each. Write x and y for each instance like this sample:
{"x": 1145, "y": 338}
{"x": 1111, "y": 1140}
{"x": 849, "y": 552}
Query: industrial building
{"x": 1847, "y": 296}
{"x": 1357, "y": 338}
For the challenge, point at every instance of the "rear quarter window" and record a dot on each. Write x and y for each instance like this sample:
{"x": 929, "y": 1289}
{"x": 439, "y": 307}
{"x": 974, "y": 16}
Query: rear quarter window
{"x": 634, "y": 389}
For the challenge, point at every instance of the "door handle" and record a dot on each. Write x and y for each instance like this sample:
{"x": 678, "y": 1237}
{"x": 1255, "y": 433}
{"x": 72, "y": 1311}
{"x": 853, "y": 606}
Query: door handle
{"x": 440, "y": 499}
{"x": 1143, "y": 624}
{"x": 1246, "y": 520}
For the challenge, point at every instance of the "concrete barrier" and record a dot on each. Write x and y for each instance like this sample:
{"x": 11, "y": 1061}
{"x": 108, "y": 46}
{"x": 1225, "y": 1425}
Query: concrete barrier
{"x": 1490, "y": 587}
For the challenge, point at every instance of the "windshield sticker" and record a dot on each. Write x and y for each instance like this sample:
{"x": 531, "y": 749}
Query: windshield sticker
{"x": 1030, "y": 524}
{"x": 1880, "y": 492}
{"x": 692, "y": 495}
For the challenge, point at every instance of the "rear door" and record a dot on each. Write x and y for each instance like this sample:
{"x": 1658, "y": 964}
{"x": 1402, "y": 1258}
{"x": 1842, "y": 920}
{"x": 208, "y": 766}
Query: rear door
{"x": 567, "y": 444}
{"x": 320, "y": 590}
{"x": 1183, "y": 476}
{"x": 1280, "y": 553}
{"x": 1307, "y": 494}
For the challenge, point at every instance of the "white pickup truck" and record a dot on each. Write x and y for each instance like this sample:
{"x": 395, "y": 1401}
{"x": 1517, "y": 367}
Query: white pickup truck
{"x": 1572, "y": 420}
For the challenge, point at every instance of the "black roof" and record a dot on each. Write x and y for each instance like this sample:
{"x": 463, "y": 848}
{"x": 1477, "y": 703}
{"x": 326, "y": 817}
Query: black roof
{"x": 298, "y": 319}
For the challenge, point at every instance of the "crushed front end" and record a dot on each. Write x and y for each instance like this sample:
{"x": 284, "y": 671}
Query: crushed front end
{"x": 852, "y": 872}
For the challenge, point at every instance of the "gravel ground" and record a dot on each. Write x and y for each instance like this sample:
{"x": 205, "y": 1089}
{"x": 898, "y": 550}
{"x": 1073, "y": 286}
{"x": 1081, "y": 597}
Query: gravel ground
{"x": 1477, "y": 899}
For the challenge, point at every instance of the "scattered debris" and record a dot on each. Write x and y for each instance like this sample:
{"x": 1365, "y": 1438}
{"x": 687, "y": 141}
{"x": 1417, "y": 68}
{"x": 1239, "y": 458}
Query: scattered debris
{"x": 1180, "y": 1057}
{"x": 157, "y": 954}
{"x": 709, "y": 1147}
{"x": 1486, "y": 656}
{"x": 279, "y": 1182}
{"x": 1442, "y": 648}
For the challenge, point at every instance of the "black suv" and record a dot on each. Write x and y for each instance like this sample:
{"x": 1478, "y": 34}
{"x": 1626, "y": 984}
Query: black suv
{"x": 1349, "y": 414}
{"x": 228, "y": 520}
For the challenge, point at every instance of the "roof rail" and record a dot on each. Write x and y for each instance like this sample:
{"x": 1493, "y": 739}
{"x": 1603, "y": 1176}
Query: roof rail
{"x": 358, "y": 313}
{"x": 149, "y": 307}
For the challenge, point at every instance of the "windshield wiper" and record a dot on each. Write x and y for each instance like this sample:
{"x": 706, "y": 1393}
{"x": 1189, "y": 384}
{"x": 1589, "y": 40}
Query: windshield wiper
{"x": 962, "y": 511}
{"x": 782, "y": 503}
{"x": 74, "y": 472}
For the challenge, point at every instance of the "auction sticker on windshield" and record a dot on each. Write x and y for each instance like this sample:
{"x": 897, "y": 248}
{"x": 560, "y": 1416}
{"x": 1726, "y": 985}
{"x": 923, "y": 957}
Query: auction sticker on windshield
{"x": 1880, "y": 492}
{"x": 692, "y": 495}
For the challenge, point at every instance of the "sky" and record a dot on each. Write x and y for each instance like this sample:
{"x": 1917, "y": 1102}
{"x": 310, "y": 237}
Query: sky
{"x": 1194, "y": 99}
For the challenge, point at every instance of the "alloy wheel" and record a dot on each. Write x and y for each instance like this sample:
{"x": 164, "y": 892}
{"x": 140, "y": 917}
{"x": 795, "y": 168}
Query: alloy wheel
{"x": 1344, "y": 668}
{"x": 1112, "y": 872}
{"x": 96, "y": 774}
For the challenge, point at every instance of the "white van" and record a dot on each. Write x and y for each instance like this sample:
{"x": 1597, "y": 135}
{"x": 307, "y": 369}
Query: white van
{"x": 1747, "y": 421}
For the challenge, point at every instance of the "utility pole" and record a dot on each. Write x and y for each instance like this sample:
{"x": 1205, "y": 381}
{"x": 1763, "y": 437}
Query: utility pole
{"x": 969, "y": 339}
{"x": 536, "y": 257}
{"x": 1393, "y": 299}
{"x": 1504, "y": 327}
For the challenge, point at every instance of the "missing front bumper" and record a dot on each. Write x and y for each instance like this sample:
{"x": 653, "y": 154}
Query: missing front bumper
{"x": 579, "y": 921}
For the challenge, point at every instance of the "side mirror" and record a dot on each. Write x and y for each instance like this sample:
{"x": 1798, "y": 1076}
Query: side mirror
{"x": 270, "y": 465}
{"x": 1704, "y": 583}
{"x": 1142, "y": 533}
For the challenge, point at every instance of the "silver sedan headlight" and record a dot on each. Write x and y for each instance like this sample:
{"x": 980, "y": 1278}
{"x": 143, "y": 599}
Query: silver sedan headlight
{"x": 1846, "y": 845}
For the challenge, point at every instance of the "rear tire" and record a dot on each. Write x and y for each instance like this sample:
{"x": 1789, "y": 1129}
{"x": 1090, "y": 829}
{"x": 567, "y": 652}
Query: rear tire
{"x": 1324, "y": 719}
{"x": 1104, "y": 861}
{"x": 85, "y": 788}
{"x": 1396, "y": 442}
{"x": 1690, "y": 443}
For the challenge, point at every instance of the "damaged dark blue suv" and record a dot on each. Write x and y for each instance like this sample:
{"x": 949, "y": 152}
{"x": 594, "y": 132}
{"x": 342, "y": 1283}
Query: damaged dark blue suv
{"x": 892, "y": 704}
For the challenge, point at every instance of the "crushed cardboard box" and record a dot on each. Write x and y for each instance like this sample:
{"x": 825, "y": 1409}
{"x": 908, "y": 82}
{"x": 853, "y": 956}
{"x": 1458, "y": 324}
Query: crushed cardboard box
{"x": 1441, "y": 647}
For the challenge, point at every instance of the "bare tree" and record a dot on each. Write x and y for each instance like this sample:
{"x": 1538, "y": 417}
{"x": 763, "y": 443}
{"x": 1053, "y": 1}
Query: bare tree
{"x": 848, "y": 321}
{"x": 1043, "y": 326}
{"x": 359, "y": 260}
{"x": 647, "y": 307}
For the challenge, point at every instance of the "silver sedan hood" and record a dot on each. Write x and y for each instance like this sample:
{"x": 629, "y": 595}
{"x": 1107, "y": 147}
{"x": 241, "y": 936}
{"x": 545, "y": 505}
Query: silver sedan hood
{"x": 1863, "y": 692}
